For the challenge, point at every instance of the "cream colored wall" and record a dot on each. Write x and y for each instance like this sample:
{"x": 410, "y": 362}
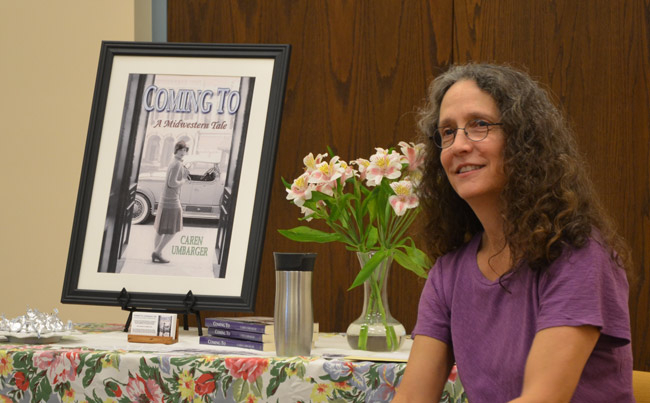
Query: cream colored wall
{"x": 49, "y": 52}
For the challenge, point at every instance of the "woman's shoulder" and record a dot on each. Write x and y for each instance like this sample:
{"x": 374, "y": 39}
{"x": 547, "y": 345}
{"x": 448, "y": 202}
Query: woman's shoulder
{"x": 593, "y": 258}
{"x": 594, "y": 248}
{"x": 456, "y": 263}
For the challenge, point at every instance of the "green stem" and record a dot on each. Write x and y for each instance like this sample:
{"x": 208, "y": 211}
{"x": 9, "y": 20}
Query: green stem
{"x": 403, "y": 223}
{"x": 376, "y": 282}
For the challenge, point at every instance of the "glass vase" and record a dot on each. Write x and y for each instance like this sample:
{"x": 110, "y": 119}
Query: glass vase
{"x": 375, "y": 329}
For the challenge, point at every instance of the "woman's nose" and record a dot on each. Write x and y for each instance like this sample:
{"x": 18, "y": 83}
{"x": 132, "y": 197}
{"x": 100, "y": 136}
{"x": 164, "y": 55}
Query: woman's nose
{"x": 461, "y": 142}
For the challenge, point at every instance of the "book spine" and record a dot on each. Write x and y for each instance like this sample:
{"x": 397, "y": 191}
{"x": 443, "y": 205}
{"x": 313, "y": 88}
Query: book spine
{"x": 219, "y": 341}
{"x": 245, "y": 327}
{"x": 235, "y": 334}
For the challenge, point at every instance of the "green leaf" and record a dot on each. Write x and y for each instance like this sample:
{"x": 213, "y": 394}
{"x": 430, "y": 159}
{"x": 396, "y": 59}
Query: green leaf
{"x": 258, "y": 386}
{"x": 418, "y": 256}
{"x": 370, "y": 203}
{"x": 145, "y": 370}
{"x": 369, "y": 267}
{"x": 317, "y": 196}
{"x": 373, "y": 236}
{"x": 307, "y": 234}
{"x": 89, "y": 376}
{"x": 409, "y": 263}
{"x": 40, "y": 387}
{"x": 301, "y": 371}
{"x": 335, "y": 213}
{"x": 240, "y": 389}
{"x": 111, "y": 388}
{"x": 23, "y": 361}
{"x": 225, "y": 384}
{"x": 273, "y": 386}
{"x": 182, "y": 361}
{"x": 94, "y": 398}
{"x": 342, "y": 205}
{"x": 286, "y": 184}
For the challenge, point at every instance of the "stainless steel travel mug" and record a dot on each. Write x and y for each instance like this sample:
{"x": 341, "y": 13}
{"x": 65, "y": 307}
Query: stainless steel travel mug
{"x": 294, "y": 314}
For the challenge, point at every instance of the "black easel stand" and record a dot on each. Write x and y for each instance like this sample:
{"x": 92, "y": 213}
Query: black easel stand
{"x": 189, "y": 303}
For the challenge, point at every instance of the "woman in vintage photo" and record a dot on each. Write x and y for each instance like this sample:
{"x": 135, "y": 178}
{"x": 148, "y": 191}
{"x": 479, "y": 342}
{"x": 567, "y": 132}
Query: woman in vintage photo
{"x": 528, "y": 295}
{"x": 169, "y": 216}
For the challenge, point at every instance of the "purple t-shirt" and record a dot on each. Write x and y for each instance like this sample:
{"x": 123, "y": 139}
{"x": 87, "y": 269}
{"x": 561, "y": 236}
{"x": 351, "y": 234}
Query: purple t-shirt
{"x": 491, "y": 330}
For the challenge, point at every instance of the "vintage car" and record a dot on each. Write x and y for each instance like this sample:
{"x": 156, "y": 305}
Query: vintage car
{"x": 200, "y": 197}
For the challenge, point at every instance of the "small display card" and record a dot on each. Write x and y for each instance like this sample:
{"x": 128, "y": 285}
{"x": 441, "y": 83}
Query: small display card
{"x": 153, "y": 324}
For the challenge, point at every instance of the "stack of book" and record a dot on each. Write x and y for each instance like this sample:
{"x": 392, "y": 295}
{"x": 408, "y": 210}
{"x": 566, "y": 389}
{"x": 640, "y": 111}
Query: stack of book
{"x": 252, "y": 332}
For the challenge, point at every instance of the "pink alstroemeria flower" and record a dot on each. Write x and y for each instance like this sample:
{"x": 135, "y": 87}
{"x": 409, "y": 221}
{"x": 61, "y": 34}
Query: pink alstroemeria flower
{"x": 404, "y": 198}
{"x": 363, "y": 166}
{"x": 413, "y": 154}
{"x": 307, "y": 212}
{"x": 326, "y": 174}
{"x": 300, "y": 190}
{"x": 348, "y": 171}
{"x": 312, "y": 162}
{"x": 383, "y": 164}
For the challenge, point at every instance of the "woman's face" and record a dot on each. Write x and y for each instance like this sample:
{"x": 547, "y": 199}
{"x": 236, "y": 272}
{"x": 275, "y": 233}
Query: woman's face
{"x": 182, "y": 152}
{"x": 474, "y": 168}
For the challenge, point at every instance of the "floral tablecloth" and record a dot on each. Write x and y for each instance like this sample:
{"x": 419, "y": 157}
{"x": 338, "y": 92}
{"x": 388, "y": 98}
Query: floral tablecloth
{"x": 45, "y": 373}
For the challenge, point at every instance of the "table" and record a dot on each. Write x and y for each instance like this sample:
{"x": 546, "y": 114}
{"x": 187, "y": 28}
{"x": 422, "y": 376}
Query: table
{"x": 99, "y": 365}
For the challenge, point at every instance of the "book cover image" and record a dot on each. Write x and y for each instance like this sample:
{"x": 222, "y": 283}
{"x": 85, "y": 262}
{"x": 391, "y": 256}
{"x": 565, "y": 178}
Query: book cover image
{"x": 176, "y": 175}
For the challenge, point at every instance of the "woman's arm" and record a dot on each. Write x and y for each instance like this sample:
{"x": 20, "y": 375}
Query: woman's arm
{"x": 427, "y": 370}
{"x": 555, "y": 363}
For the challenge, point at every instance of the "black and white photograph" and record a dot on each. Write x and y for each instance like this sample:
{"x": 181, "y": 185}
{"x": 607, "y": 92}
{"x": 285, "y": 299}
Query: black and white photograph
{"x": 176, "y": 175}
{"x": 166, "y": 326}
{"x": 176, "y": 180}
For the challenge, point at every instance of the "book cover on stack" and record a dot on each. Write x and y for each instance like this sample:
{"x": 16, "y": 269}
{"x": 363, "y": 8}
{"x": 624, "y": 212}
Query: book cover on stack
{"x": 252, "y": 332}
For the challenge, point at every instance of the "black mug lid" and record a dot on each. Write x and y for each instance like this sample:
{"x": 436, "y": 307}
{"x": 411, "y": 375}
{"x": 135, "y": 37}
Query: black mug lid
{"x": 294, "y": 261}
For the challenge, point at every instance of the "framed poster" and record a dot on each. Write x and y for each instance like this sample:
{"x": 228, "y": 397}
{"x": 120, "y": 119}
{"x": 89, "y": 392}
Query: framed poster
{"x": 176, "y": 177}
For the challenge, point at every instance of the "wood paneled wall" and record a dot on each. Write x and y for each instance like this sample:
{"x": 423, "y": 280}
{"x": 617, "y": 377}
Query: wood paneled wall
{"x": 359, "y": 70}
{"x": 595, "y": 57}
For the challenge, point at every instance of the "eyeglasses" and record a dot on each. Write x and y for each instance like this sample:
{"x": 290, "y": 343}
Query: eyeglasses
{"x": 475, "y": 130}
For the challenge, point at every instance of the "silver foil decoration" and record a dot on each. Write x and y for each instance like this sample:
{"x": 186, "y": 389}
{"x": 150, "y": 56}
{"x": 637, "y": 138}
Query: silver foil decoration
{"x": 35, "y": 322}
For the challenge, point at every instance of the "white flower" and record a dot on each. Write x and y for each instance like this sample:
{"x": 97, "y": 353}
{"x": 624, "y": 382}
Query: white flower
{"x": 348, "y": 171}
{"x": 300, "y": 190}
{"x": 383, "y": 165}
{"x": 404, "y": 198}
{"x": 413, "y": 155}
{"x": 326, "y": 174}
{"x": 311, "y": 163}
{"x": 307, "y": 213}
{"x": 363, "y": 166}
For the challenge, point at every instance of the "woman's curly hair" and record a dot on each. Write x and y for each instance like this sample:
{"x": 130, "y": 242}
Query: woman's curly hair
{"x": 548, "y": 201}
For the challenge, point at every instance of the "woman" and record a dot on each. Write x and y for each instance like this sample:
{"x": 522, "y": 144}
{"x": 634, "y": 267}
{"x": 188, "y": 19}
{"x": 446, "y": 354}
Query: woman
{"x": 528, "y": 295}
{"x": 169, "y": 217}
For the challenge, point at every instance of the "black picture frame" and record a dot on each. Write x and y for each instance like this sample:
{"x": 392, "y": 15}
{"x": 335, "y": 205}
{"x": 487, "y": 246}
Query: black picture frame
{"x": 127, "y": 95}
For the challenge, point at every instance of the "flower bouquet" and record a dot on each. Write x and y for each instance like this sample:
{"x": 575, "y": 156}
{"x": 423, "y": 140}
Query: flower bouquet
{"x": 368, "y": 204}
